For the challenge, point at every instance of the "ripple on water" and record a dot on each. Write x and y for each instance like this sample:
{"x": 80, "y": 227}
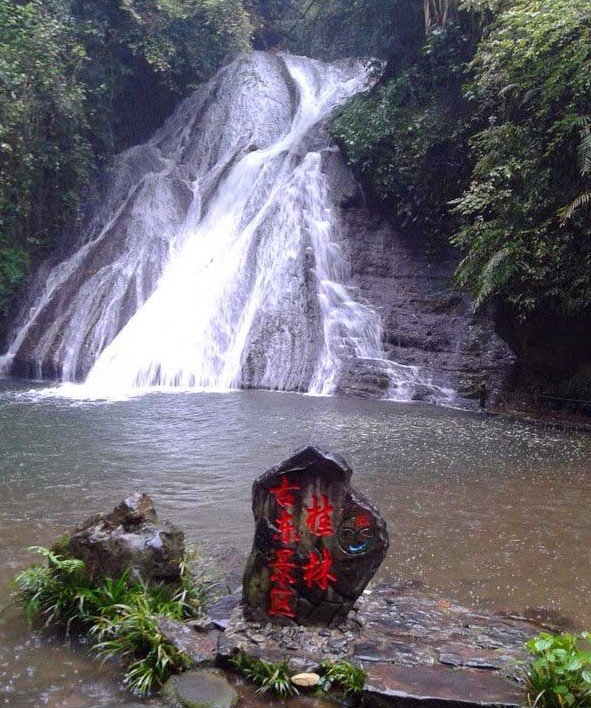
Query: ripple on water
{"x": 486, "y": 511}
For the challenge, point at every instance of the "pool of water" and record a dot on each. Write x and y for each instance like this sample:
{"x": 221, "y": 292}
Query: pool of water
{"x": 490, "y": 512}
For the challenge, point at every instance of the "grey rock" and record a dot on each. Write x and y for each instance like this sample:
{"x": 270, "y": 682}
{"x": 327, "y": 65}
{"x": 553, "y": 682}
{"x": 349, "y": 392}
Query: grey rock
{"x": 199, "y": 647}
{"x": 419, "y": 650}
{"x": 428, "y": 322}
{"x": 201, "y": 688}
{"x": 402, "y": 686}
{"x": 129, "y": 539}
{"x": 221, "y": 610}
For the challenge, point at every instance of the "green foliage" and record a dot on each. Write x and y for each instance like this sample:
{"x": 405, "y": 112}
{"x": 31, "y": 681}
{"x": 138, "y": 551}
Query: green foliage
{"x": 51, "y": 592}
{"x": 145, "y": 53}
{"x": 127, "y": 628}
{"x": 559, "y": 672}
{"x": 121, "y": 619}
{"x": 332, "y": 29}
{"x": 405, "y": 140}
{"x": 584, "y": 164}
{"x": 44, "y": 153}
{"x": 274, "y": 677}
{"x": 344, "y": 675}
{"x": 271, "y": 676}
{"x": 530, "y": 89}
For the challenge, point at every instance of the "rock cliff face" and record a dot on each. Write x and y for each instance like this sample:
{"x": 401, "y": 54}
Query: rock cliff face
{"x": 428, "y": 322}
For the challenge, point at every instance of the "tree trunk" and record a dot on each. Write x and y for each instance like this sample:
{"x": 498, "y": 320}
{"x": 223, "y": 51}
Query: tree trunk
{"x": 437, "y": 12}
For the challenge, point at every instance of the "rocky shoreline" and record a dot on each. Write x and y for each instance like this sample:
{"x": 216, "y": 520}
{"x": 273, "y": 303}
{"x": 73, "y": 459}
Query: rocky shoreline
{"x": 417, "y": 649}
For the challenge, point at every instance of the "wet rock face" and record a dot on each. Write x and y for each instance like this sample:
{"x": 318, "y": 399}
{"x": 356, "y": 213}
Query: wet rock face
{"x": 428, "y": 321}
{"x": 318, "y": 542}
{"x": 130, "y": 538}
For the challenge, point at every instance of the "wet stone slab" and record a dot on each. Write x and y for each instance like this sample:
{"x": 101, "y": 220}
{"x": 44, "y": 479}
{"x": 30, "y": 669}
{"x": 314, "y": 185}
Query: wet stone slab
{"x": 418, "y": 649}
{"x": 436, "y": 686}
{"x": 411, "y": 629}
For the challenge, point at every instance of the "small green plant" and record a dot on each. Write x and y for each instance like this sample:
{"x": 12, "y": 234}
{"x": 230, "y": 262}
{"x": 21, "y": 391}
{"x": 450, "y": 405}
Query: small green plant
{"x": 274, "y": 677}
{"x": 130, "y": 630}
{"x": 559, "y": 673}
{"x": 270, "y": 676}
{"x": 346, "y": 676}
{"x": 50, "y": 593}
{"x": 121, "y": 619}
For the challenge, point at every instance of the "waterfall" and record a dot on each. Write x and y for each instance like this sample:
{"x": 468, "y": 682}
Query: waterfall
{"x": 215, "y": 259}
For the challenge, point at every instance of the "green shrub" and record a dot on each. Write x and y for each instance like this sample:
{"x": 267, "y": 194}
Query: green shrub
{"x": 559, "y": 673}
{"x": 274, "y": 677}
{"x": 121, "y": 619}
{"x": 271, "y": 676}
{"x": 344, "y": 675}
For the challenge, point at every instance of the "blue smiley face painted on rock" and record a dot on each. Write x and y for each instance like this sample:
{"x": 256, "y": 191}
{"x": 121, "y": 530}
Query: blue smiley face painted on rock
{"x": 356, "y": 534}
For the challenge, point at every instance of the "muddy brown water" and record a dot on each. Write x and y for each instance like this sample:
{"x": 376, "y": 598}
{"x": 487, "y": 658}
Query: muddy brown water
{"x": 490, "y": 512}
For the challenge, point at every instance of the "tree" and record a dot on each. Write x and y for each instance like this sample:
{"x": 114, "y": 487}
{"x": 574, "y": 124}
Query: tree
{"x": 406, "y": 139}
{"x": 438, "y": 12}
{"x": 584, "y": 161}
{"x": 532, "y": 82}
{"x": 44, "y": 153}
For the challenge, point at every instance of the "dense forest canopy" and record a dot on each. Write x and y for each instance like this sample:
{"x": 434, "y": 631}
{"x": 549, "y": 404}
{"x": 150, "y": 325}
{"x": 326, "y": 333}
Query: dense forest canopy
{"x": 478, "y": 133}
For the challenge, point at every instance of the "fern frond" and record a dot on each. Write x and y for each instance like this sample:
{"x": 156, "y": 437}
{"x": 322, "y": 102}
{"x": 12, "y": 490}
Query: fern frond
{"x": 492, "y": 276}
{"x": 567, "y": 211}
{"x": 584, "y": 153}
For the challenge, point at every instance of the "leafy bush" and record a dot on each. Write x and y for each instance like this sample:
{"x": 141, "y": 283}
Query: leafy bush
{"x": 560, "y": 671}
{"x": 120, "y": 619}
{"x": 530, "y": 94}
{"x": 406, "y": 140}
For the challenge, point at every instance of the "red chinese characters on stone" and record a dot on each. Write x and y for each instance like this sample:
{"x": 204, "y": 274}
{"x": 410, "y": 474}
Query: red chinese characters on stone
{"x": 317, "y": 570}
{"x": 283, "y": 493}
{"x": 286, "y": 529}
{"x": 316, "y": 573}
{"x": 319, "y": 519}
{"x": 280, "y": 602}
{"x": 281, "y": 579}
{"x": 282, "y": 567}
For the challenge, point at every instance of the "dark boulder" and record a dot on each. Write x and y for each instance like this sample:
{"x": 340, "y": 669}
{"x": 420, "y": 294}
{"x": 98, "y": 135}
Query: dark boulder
{"x": 129, "y": 539}
{"x": 318, "y": 542}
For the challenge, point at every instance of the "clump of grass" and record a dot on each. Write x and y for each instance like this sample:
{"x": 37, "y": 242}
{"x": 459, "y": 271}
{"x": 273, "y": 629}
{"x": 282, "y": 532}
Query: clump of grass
{"x": 346, "y": 676}
{"x": 121, "y": 619}
{"x": 274, "y": 676}
{"x": 129, "y": 629}
{"x": 51, "y": 593}
{"x": 271, "y": 676}
{"x": 559, "y": 672}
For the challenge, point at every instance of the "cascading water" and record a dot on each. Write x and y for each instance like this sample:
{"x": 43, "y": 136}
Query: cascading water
{"x": 215, "y": 260}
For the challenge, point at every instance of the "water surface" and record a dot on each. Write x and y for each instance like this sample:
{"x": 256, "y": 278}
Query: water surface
{"x": 490, "y": 512}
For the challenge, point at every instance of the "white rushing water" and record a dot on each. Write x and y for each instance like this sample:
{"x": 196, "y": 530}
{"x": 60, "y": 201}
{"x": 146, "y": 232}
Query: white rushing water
{"x": 217, "y": 261}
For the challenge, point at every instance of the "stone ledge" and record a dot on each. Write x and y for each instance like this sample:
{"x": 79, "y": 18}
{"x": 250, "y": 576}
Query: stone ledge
{"x": 437, "y": 687}
{"x": 419, "y": 651}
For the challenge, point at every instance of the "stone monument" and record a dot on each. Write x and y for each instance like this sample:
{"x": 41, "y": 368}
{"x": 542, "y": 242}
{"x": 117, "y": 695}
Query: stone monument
{"x": 318, "y": 542}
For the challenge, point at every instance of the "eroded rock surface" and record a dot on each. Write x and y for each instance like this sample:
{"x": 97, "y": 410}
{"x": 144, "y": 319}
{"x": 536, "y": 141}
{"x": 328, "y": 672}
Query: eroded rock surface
{"x": 418, "y": 649}
{"x": 129, "y": 539}
{"x": 428, "y": 321}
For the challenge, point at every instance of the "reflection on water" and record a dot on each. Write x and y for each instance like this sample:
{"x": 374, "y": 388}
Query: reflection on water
{"x": 490, "y": 512}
